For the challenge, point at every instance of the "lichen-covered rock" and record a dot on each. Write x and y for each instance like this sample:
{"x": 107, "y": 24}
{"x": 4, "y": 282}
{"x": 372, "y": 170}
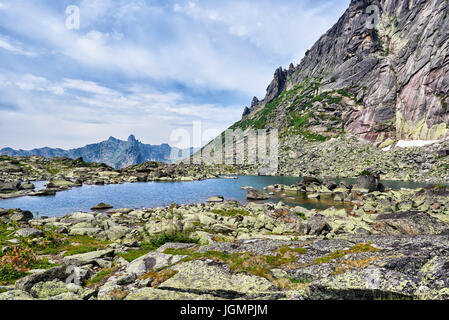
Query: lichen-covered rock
{"x": 29, "y": 232}
{"x": 318, "y": 225}
{"x": 56, "y": 273}
{"x": 87, "y": 258}
{"x": 16, "y": 295}
{"x": 368, "y": 284}
{"x": 209, "y": 277}
{"x": 45, "y": 290}
{"x": 150, "y": 261}
{"x": 253, "y": 194}
{"x": 151, "y": 294}
{"x": 411, "y": 223}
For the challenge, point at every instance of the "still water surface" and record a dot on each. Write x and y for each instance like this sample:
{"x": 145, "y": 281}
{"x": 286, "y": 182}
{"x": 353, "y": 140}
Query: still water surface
{"x": 158, "y": 194}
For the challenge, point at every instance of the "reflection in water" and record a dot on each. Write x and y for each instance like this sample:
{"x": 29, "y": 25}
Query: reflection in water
{"x": 325, "y": 201}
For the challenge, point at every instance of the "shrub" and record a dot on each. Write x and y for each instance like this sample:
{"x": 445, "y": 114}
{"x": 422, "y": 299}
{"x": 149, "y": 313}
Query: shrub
{"x": 18, "y": 259}
{"x": 366, "y": 173}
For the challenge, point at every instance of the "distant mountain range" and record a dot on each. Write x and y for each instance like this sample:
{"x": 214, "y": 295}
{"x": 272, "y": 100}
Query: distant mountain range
{"x": 113, "y": 152}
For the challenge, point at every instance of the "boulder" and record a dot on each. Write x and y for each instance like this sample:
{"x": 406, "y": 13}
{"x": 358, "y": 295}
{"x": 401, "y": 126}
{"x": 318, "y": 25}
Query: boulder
{"x": 311, "y": 180}
{"x": 117, "y": 232}
{"x": 152, "y": 294}
{"x": 8, "y": 187}
{"x": 368, "y": 284}
{"x": 88, "y": 258}
{"x": 119, "y": 210}
{"x": 59, "y": 183}
{"x": 43, "y": 193}
{"x": 27, "y": 186}
{"x": 88, "y": 231}
{"x": 56, "y": 273}
{"x": 21, "y": 216}
{"x": 150, "y": 261}
{"x": 102, "y": 206}
{"x": 45, "y": 290}
{"x": 209, "y": 277}
{"x": 317, "y": 225}
{"x": 368, "y": 182}
{"x": 29, "y": 232}
{"x": 215, "y": 199}
{"x": 15, "y": 295}
{"x": 253, "y": 194}
{"x": 408, "y": 223}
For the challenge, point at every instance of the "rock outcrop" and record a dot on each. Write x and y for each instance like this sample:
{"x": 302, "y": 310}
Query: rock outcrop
{"x": 380, "y": 73}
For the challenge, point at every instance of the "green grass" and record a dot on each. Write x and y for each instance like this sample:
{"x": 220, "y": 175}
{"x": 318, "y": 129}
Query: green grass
{"x": 4, "y": 234}
{"x": 160, "y": 240}
{"x": 301, "y": 214}
{"x": 231, "y": 212}
{"x": 134, "y": 254}
{"x": 245, "y": 262}
{"x": 79, "y": 250}
{"x": 9, "y": 275}
{"x": 296, "y": 281}
{"x": 42, "y": 264}
{"x": 54, "y": 243}
{"x": 157, "y": 242}
{"x": 261, "y": 122}
{"x": 365, "y": 172}
{"x": 364, "y": 247}
{"x": 313, "y": 137}
{"x": 100, "y": 276}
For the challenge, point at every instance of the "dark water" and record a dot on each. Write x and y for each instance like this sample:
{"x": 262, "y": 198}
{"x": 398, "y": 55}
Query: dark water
{"x": 159, "y": 194}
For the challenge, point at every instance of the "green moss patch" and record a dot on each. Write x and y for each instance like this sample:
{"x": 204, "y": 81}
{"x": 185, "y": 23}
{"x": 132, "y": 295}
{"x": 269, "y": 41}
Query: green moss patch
{"x": 360, "y": 248}
{"x": 246, "y": 262}
{"x": 231, "y": 212}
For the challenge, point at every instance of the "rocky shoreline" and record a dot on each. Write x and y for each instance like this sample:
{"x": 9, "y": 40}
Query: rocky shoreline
{"x": 18, "y": 174}
{"x": 392, "y": 244}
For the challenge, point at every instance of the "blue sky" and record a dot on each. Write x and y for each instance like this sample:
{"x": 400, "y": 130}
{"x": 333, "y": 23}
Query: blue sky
{"x": 141, "y": 66}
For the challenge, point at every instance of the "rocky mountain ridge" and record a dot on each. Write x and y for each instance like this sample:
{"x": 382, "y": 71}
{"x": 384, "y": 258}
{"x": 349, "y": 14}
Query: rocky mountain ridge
{"x": 381, "y": 82}
{"x": 113, "y": 152}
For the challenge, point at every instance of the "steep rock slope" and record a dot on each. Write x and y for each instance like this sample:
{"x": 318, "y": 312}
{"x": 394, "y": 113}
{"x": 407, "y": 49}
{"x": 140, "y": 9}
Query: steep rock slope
{"x": 383, "y": 83}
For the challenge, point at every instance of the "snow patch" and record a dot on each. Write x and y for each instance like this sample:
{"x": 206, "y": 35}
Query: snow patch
{"x": 415, "y": 143}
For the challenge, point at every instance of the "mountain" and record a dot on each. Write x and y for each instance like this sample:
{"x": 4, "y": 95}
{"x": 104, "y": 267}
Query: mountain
{"x": 113, "y": 152}
{"x": 382, "y": 84}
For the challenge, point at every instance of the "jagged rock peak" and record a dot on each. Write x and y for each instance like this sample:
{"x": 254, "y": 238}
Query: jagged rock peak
{"x": 132, "y": 138}
{"x": 255, "y": 102}
{"x": 277, "y": 85}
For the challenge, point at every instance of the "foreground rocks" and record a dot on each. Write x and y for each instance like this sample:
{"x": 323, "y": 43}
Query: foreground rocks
{"x": 381, "y": 244}
{"x": 390, "y": 245}
{"x": 353, "y": 267}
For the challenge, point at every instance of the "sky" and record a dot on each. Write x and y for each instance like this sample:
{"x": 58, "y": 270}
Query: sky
{"x": 145, "y": 67}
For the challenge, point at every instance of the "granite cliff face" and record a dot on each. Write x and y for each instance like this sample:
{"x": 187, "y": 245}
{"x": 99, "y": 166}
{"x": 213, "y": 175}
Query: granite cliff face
{"x": 113, "y": 152}
{"x": 383, "y": 82}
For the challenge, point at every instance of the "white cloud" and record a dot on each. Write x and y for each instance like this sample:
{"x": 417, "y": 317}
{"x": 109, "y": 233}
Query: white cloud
{"x": 230, "y": 45}
{"x": 15, "y": 48}
{"x": 122, "y": 70}
{"x": 73, "y": 108}
{"x": 87, "y": 86}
